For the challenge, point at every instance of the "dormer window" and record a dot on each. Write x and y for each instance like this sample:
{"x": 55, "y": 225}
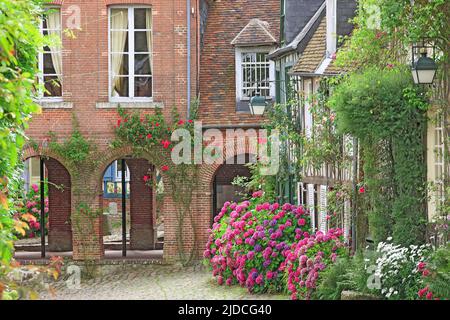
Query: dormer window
{"x": 255, "y": 73}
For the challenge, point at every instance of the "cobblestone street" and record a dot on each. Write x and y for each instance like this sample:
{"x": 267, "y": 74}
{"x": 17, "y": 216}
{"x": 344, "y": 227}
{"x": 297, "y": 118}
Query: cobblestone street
{"x": 153, "y": 282}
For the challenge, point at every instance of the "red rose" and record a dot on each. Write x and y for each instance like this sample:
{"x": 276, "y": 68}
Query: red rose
{"x": 149, "y": 136}
{"x": 119, "y": 122}
{"x": 157, "y": 124}
{"x": 146, "y": 178}
{"x": 165, "y": 144}
{"x": 362, "y": 190}
{"x": 164, "y": 168}
{"x": 181, "y": 122}
{"x": 190, "y": 121}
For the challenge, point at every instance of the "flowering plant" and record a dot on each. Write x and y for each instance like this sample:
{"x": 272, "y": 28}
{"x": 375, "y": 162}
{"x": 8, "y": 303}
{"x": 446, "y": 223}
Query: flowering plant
{"x": 307, "y": 258}
{"x": 29, "y": 211}
{"x": 248, "y": 241}
{"x": 150, "y": 130}
{"x": 400, "y": 269}
{"x": 435, "y": 275}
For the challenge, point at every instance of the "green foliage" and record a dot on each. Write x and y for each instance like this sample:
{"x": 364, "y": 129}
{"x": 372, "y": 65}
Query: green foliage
{"x": 386, "y": 112}
{"x": 257, "y": 182}
{"x": 20, "y": 42}
{"x": 76, "y": 149}
{"x": 348, "y": 273}
{"x": 438, "y": 281}
{"x": 384, "y": 30}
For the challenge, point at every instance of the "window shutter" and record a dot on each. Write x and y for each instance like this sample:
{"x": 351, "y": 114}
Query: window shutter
{"x": 308, "y": 114}
{"x": 323, "y": 209}
{"x": 300, "y": 200}
{"x": 347, "y": 219}
{"x": 310, "y": 205}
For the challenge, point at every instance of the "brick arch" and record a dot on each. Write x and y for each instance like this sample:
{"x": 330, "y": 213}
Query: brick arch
{"x": 142, "y": 198}
{"x": 154, "y": 157}
{"x": 60, "y": 200}
{"x": 207, "y": 175}
{"x": 42, "y": 150}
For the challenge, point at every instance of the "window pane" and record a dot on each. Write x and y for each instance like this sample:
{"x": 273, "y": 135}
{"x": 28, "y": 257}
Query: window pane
{"x": 53, "y": 86}
{"x": 140, "y": 41}
{"x": 49, "y": 68}
{"x": 119, "y": 41}
{"x": 110, "y": 187}
{"x": 119, "y": 18}
{"x": 120, "y": 87}
{"x": 140, "y": 18}
{"x": 122, "y": 59}
{"x": 143, "y": 87}
{"x": 142, "y": 64}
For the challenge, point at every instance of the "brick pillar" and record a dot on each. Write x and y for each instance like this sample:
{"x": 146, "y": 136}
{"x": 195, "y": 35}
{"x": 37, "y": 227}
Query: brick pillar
{"x": 86, "y": 217}
{"x": 142, "y": 207}
{"x": 60, "y": 230}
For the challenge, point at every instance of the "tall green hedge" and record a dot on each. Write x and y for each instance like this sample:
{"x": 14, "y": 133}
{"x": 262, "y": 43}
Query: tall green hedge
{"x": 387, "y": 113}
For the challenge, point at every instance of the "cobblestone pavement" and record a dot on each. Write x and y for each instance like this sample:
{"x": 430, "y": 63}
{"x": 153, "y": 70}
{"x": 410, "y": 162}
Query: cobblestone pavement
{"x": 153, "y": 282}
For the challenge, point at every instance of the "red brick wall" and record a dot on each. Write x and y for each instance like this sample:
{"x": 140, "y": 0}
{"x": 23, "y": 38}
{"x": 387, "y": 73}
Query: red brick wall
{"x": 217, "y": 64}
{"x": 85, "y": 68}
{"x": 142, "y": 207}
{"x": 60, "y": 229}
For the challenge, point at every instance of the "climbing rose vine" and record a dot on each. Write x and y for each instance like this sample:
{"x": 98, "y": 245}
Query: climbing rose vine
{"x": 151, "y": 130}
{"x": 248, "y": 242}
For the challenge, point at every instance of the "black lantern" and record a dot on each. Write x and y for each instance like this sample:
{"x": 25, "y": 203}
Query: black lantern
{"x": 424, "y": 68}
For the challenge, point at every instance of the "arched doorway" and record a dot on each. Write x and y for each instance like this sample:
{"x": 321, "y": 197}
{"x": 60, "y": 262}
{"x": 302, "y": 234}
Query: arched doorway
{"x": 223, "y": 187}
{"x": 45, "y": 205}
{"x": 130, "y": 225}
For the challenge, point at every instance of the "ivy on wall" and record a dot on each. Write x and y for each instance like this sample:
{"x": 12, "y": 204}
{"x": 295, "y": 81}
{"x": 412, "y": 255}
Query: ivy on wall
{"x": 387, "y": 113}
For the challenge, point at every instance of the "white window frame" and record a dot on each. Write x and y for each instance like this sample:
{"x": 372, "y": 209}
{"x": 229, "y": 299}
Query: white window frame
{"x": 118, "y": 174}
{"x": 131, "y": 53}
{"x": 40, "y": 94}
{"x": 239, "y": 76}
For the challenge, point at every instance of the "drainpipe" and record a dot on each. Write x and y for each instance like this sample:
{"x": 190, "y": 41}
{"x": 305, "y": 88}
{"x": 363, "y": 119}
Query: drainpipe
{"x": 188, "y": 12}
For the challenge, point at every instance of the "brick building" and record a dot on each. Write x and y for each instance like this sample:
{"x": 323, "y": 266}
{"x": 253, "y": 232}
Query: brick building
{"x": 143, "y": 55}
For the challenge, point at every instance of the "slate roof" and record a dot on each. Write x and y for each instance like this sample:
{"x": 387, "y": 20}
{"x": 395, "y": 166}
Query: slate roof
{"x": 256, "y": 32}
{"x": 304, "y": 36}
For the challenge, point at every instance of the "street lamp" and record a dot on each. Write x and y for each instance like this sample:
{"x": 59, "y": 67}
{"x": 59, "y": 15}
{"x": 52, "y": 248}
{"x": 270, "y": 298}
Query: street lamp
{"x": 258, "y": 104}
{"x": 424, "y": 68}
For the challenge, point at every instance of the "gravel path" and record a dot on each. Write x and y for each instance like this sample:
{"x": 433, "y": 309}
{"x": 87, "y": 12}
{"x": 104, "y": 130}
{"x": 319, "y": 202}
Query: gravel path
{"x": 153, "y": 282}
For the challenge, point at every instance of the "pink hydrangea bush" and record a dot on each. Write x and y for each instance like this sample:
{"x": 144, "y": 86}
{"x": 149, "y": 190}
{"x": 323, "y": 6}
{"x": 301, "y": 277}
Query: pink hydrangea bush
{"x": 307, "y": 258}
{"x": 248, "y": 241}
{"x": 29, "y": 211}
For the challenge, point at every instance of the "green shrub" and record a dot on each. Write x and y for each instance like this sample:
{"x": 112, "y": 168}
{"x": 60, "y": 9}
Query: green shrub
{"x": 387, "y": 113}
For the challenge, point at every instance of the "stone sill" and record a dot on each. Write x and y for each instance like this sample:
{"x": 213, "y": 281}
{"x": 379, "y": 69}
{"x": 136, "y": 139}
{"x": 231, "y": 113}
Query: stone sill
{"x": 55, "y": 104}
{"x": 129, "y": 105}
